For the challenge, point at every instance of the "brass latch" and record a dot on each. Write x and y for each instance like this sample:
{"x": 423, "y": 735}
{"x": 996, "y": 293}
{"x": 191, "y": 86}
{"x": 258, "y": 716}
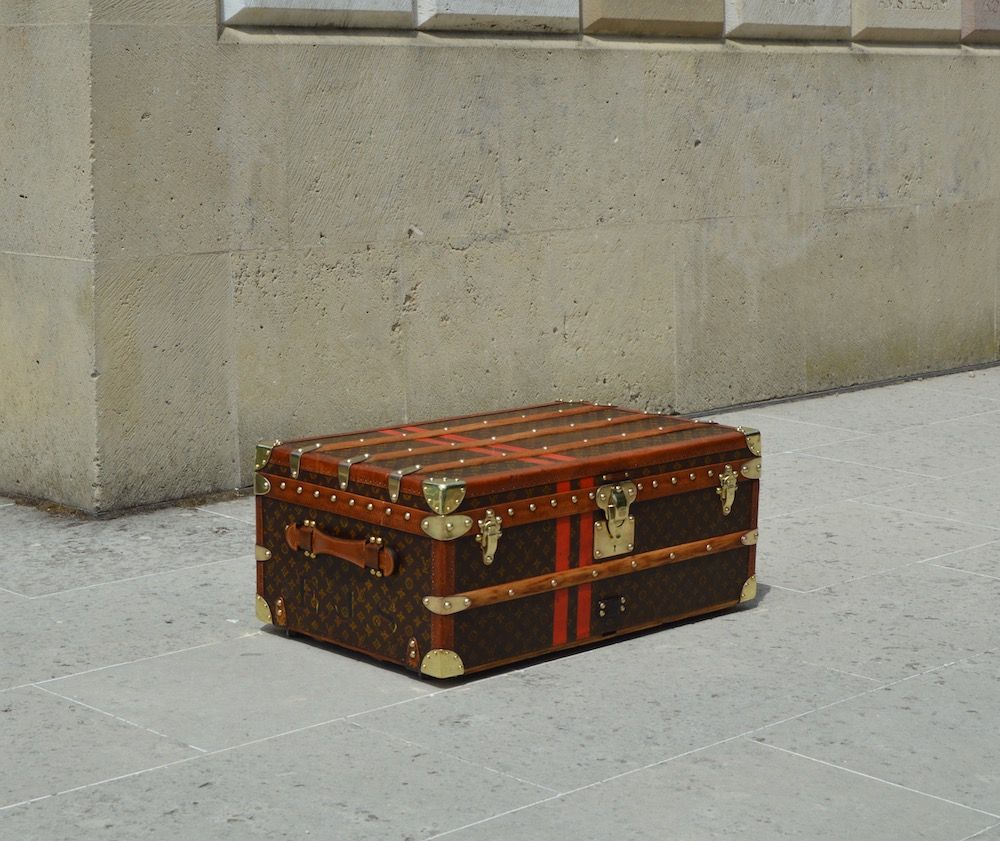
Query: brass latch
{"x": 489, "y": 535}
{"x": 615, "y": 535}
{"x": 727, "y": 488}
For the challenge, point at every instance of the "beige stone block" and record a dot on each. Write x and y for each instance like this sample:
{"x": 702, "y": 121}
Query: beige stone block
{"x": 43, "y": 12}
{"x": 561, "y": 315}
{"x": 789, "y": 19}
{"x": 48, "y": 425}
{"x": 740, "y": 331}
{"x": 981, "y": 21}
{"x": 45, "y": 168}
{"x": 901, "y": 291}
{"x": 906, "y": 20}
{"x": 364, "y": 14}
{"x": 617, "y": 137}
{"x": 904, "y": 129}
{"x": 166, "y": 387}
{"x": 499, "y": 15}
{"x": 392, "y": 143}
{"x": 189, "y": 142}
{"x": 664, "y": 18}
{"x": 155, "y": 11}
{"x": 318, "y": 342}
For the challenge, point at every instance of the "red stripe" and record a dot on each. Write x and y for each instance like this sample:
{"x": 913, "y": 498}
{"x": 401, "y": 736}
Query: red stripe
{"x": 560, "y": 616}
{"x": 583, "y": 603}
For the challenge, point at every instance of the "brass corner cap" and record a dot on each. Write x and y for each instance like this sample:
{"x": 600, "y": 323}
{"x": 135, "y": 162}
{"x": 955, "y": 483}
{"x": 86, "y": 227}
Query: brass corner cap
{"x": 262, "y": 454}
{"x": 753, "y": 439}
{"x": 263, "y": 611}
{"x": 749, "y": 590}
{"x": 442, "y": 663}
{"x": 261, "y": 485}
{"x": 262, "y": 553}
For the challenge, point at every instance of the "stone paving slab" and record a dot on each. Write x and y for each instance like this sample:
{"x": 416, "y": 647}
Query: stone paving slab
{"x": 785, "y": 435}
{"x": 936, "y": 732}
{"x": 47, "y": 553}
{"x": 54, "y": 636}
{"x": 735, "y": 790}
{"x": 277, "y": 685}
{"x": 242, "y": 509}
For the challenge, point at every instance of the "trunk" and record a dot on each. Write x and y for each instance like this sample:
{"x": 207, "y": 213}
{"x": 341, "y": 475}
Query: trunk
{"x": 460, "y": 544}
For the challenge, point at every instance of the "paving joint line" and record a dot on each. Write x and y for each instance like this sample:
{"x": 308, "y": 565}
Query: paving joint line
{"x": 227, "y": 516}
{"x": 139, "y": 577}
{"x": 966, "y": 571}
{"x": 981, "y": 832}
{"x": 873, "y": 778}
{"x": 111, "y": 715}
{"x": 923, "y": 515}
{"x": 807, "y": 454}
{"x": 452, "y": 756}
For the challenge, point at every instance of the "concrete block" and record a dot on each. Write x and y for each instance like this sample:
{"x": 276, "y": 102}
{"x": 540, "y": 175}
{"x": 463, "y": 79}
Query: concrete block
{"x": 906, "y": 20}
{"x": 45, "y": 167}
{"x": 189, "y": 136}
{"x": 391, "y": 143}
{"x": 43, "y": 12}
{"x": 500, "y": 15}
{"x": 904, "y": 308}
{"x": 665, "y": 18}
{"x": 318, "y": 343}
{"x": 565, "y": 315}
{"x": 740, "y": 331}
{"x": 981, "y": 21}
{"x": 166, "y": 391}
{"x": 48, "y": 421}
{"x": 809, "y": 20}
{"x": 365, "y": 14}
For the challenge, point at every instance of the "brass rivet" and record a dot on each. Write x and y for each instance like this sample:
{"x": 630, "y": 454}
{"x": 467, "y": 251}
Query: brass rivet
{"x": 597, "y": 554}
{"x": 531, "y": 507}
{"x": 413, "y": 655}
{"x": 591, "y": 495}
{"x": 369, "y": 507}
{"x": 510, "y": 512}
{"x": 413, "y": 643}
{"x": 350, "y": 502}
{"x": 449, "y": 526}
{"x": 333, "y": 497}
{"x": 630, "y": 547}
{"x": 510, "y": 592}
{"x": 594, "y": 573}
{"x": 316, "y": 494}
{"x": 388, "y": 512}
{"x": 673, "y": 480}
{"x": 672, "y": 556}
{"x": 447, "y": 605}
{"x": 708, "y": 547}
{"x": 426, "y": 600}
{"x": 554, "y": 583}
{"x": 298, "y": 490}
{"x": 603, "y": 613}
{"x": 553, "y": 503}
{"x": 423, "y": 526}
{"x": 635, "y": 564}
{"x": 467, "y": 602}
{"x": 691, "y": 476}
{"x": 639, "y": 486}
{"x": 406, "y": 516}
{"x": 282, "y": 486}
{"x": 574, "y": 500}
{"x": 656, "y": 484}
{"x": 710, "y": 473}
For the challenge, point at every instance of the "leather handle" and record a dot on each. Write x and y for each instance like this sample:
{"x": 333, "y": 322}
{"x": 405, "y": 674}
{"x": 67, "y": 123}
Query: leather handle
{"x": 368, "y": 554}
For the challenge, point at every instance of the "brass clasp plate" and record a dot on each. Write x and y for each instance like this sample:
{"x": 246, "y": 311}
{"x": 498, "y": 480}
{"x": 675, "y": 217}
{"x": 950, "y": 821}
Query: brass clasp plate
{"x": 616, "y": 534}
{"x": 489, "y": 535}
{"x": 727, "y": 488}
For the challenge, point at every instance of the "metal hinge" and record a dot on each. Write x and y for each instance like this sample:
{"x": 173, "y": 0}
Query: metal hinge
{"x": 616, "y": 534}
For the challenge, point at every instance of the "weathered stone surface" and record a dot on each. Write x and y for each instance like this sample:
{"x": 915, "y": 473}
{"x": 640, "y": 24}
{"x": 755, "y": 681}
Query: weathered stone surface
{"x": 500, "y": 15}
{"x": 907, "y": 130}
{"x": 43, "y": 12}
{"x": 981, "y": 21}
{"x": 47, "y": 387}
{"x": 190, "y": 139}
{"x": 318, "y": 342}
{"x": 369, "y": 14}
{"x": 166, "y": 387}
{"x": 906, "y": 20}
{"x": 390, "y": 143}
{"x": 895, "y": 292}
{"x": 688, "y": 18}
{"x": 789, "y": 19}
{"x": 592, "y": 313}
{"x": 155, "y": 11}
{"x": 45, "y": 169}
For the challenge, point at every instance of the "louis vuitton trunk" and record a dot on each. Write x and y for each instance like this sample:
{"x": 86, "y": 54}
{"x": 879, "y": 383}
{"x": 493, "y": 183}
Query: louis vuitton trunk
{"x": 461, "y": 544}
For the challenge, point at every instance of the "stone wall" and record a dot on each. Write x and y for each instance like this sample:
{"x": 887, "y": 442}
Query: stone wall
{"x": 302, "y": 232}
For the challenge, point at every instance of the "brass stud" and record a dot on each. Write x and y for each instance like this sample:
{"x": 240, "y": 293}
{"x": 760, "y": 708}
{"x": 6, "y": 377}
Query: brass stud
{"x": 708, "y": 547}
{"x": 553, "y": 503}
{"x": 554, "y": 583}
{"x": 316, "y": 494}
{"x": 423, "y": 526}
{"x": 510, "y": 512}
{"x": 333, "y": 497}
{"x": 711, "y": 473}
{"x": 447, "y": 605}
{"x": 467, "y": 602}
{"x": 413, "y": 654}
{"x": 282, "y": 486}
{"x": 350, "y": 502}
{"x": 597, "y": 553}
{"x": 672, "y": 555}
{"x": 510, "y": 592}
{"x": 594, "y": 573}
{"x": 602, "y": 613}
{"x": 388, "y": 512}
{"x": 591, "y": 495}
{"x": 630, "y": 547}
{"x": 673, "y": 480}
{"x": 413, "y": 643}
{"x": 639, "y": 486}
{"x": 369, "y": 507}
{"x": 449, "y": 526}
{"x": 406, "y": 516}
{"x": 574, "y": 499}
{"x": 656, "y": 484}
{"x": 635, "y": 564}
{"x": 298, "y": 490}
{"x": 691, "y": 476}
{"x": 532, "y": 507}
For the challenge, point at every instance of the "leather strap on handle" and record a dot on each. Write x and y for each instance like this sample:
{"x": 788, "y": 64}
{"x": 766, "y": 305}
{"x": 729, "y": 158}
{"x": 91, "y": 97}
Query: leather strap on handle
{"x": 369, "y": 554}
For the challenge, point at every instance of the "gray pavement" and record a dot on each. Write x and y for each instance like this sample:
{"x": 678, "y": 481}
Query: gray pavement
{"x": 859, "y": 698}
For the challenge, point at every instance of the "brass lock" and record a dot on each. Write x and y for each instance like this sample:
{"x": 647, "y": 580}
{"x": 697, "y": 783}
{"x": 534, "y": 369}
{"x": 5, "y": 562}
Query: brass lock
{"x": 615, "y": 535}
{"x": 727, "y": 489}
{"x": 489, "y": 535}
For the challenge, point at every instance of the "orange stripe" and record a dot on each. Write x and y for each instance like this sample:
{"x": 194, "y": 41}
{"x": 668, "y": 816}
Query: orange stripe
{"x": 560, "y": 616}
{"x": 583, "y": 603}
